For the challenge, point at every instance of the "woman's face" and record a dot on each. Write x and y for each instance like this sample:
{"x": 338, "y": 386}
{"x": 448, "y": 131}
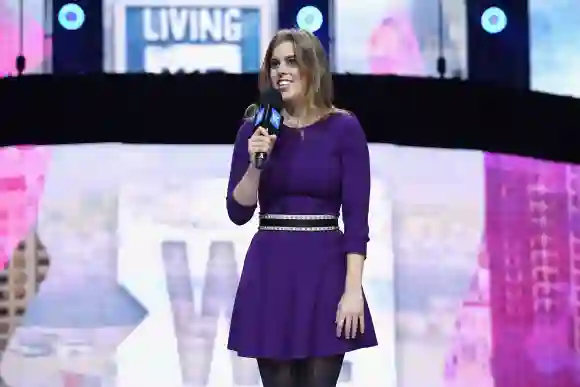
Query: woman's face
{"x": 285, "y": 73}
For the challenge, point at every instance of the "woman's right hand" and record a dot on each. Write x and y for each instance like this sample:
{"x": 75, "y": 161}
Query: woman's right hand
{"x": 260, "y": 141}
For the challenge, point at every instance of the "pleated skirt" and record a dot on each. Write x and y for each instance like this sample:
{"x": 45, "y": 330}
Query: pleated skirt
{"x": 287, "y": 298}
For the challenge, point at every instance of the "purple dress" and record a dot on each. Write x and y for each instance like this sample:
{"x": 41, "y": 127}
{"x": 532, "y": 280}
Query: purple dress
{"x": 291, "y": 284}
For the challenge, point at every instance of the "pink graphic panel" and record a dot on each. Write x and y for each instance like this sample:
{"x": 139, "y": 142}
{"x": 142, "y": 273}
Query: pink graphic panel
{"x": 530, "y": 222}
{"x": 33, "y": 42}
{"x": 469, "y": 361}
{"x": 22, "y": 173}
{"x": 72, "y": 379}
{"x": 519, "y": 325}
{"x": 394, "y": 48}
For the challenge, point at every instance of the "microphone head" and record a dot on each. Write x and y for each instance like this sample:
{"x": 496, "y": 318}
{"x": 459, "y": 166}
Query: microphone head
{"x": 271, "y": 97}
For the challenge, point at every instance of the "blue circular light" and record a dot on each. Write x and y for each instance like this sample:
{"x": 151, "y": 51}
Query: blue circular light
{"x": 309, "y": 18}
{"x": 71, "y": 17}
{"x": 494, "y": 20}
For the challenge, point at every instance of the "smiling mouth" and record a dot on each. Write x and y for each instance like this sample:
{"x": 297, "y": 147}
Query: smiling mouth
{"x": 283, "y": 89}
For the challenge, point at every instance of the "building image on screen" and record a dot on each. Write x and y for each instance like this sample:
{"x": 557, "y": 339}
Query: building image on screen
{"x": 172, "y": 36}
{"x": 79, "y": 316}
{"x": 554, "y": 49}
{"x": 36, "y": 36}
{"x": 19, "y": 283}
{"x": 399, "y": 37}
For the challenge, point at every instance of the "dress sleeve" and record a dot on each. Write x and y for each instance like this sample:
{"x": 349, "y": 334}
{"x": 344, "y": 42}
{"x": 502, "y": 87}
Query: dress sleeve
{"x": 238, "y": 213}
{"x": 356, "y": 187}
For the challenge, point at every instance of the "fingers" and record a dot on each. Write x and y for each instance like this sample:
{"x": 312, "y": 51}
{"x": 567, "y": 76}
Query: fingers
{"x": 339, "y": 327}
{"x": 261, "y": 141}
{"x": 349, "y": 325}
{"x": 339, "y": 323}
{"x": 349, "y": 319}
{"x": 260, "y": 144}
{"x": 262, "y": 132}
{"x": 354, "y": 327}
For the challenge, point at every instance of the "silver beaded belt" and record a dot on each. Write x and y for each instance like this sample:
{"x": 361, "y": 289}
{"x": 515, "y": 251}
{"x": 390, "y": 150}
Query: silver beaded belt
{"x": 278, "y": 222}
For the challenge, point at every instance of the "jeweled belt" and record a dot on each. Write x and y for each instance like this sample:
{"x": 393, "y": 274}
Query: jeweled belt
{"x": 279, "y": 222}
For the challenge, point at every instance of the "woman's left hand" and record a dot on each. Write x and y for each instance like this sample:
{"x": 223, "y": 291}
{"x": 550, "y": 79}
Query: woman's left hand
{"x": 350, "y": 314}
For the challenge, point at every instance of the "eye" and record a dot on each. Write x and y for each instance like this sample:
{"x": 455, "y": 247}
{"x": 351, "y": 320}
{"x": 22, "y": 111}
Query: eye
{"x": 292, "y": 61}
{"x": 274, "y": 63}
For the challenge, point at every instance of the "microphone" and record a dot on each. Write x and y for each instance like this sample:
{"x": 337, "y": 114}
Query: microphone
{"x": 269, "y": 117}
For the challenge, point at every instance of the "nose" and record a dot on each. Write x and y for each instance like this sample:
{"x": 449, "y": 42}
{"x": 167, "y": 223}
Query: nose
{"x": 282, "y": 69}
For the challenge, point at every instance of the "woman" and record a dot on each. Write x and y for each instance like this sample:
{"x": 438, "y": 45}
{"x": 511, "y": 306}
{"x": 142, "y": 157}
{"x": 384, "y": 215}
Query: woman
{"x": 300, "y": 305}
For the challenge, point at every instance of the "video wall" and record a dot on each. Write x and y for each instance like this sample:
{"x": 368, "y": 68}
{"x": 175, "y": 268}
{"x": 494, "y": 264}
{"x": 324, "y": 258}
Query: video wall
{"x": 555, "y": 53}
{"x": 392, "y": 37}
{"x": 36, "y": 40}
{"x": 145, "y": 264}
{"x": 400, "y": 37}
{"x": 187, "y": 35}
{"x": 144, "y": 257}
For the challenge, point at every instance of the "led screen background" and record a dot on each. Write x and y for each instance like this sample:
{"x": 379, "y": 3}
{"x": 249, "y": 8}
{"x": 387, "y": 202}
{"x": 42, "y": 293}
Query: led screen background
{"x": 36, "y": 40}
{"x": 399, "y": 37}
{"x": 406, "y": 44}
{"x": 145, "y": 264}
{"x": 392, "y": 37}
{"x": 555, "y": 53}
{"x": 187, "y": 35}
{"x": 158, "y": 227}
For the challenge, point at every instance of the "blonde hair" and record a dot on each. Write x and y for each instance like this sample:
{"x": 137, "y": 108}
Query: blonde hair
{"x": 312, "y": 63}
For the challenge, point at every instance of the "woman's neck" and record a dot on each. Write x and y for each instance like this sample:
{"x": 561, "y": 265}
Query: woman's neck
{"x": 296, "y": 111}
{"x": 298, "y": 121}
{"x": 299, "y": 116}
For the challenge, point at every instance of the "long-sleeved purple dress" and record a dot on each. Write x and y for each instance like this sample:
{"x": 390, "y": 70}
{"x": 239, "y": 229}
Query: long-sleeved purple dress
{"x": 292, "y": 282}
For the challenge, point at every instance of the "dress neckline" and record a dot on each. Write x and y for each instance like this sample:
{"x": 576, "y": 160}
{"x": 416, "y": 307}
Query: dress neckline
{"x": 315, "y": 123}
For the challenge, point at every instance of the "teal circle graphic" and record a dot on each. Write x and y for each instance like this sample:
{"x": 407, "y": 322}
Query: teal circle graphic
{"x": 71, "y": 17}
{"x": 309, "y": 18}
{"x": 494, "y": 20}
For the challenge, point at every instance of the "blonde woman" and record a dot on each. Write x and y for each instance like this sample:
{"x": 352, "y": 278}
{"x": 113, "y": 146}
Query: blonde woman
{"x": 300, "y": 305}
